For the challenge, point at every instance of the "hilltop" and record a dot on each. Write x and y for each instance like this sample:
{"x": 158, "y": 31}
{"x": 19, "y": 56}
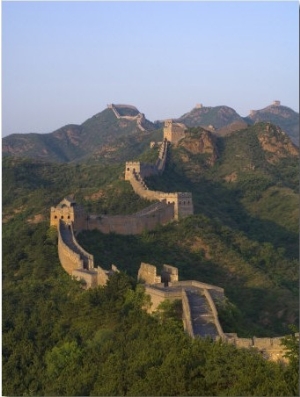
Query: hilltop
{"x": 121, "y": 131}
{"x": 279, "y": 115}
{"x": 105, "y": 135}
{"x": 223, "y": 120}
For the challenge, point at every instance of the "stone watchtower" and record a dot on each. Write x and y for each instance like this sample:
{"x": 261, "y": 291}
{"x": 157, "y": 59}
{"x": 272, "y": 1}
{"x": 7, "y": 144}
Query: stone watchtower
{"x": 69, "y": 212}
{"x": 174, "y": 132}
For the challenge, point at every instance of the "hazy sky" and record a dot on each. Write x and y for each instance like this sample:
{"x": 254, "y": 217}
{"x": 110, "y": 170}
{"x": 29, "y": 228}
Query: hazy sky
{"x": 63, "y": 62}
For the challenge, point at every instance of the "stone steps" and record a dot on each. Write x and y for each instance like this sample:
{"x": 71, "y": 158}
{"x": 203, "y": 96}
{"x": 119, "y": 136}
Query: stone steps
{"x": 202, "y": 316}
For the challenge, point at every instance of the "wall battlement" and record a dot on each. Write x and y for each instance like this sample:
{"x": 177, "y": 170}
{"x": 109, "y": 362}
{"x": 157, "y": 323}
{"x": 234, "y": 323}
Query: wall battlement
{"x": 135, "y": 172}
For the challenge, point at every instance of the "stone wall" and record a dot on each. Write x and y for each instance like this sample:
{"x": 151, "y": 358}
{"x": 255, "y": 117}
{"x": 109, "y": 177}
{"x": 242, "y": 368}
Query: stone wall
{"x": 270, "y": 348}
{"x": 88, "y": 259}
{"x": 147, "y": 219}
{"x": 162, "y": 156}
{"x": 158, "y": 294}
{"x": 139, "y": 118}
{"x": 135, "y": 172}
{"x": 69, "y": 259}
{"x": 183, "y": 202}
{"x": 77, "y": 262}
{"x": 88, "y": 276}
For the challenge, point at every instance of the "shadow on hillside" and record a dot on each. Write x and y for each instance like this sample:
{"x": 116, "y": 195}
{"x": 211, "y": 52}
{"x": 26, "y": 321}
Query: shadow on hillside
{"x": 254, "y": 310}
{"x": 218, "y": 202}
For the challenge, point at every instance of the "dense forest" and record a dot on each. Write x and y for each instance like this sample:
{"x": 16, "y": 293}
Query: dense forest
{"x": 59, "y": 339}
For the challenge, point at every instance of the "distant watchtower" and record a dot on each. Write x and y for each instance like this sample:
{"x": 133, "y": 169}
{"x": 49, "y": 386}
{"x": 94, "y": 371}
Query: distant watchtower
{"x": 276, "y": 103}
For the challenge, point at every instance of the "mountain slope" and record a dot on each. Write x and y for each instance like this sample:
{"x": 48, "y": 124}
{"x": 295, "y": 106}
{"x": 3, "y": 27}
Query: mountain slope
{"x": 243, "y": 236}
{"x": 100, "y": 136}
{"x": 223, "y": 120}
{"x": 284, "y": 117}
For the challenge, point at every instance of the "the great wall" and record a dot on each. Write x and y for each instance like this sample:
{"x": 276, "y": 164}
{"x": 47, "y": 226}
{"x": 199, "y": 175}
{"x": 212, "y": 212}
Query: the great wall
{"x": 199, "y": 300}
{"x": 136, "y": 115}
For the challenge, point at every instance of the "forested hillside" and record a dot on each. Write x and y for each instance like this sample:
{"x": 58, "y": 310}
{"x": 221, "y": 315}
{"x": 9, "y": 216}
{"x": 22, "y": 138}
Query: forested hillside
{"x": 61, "y": 340}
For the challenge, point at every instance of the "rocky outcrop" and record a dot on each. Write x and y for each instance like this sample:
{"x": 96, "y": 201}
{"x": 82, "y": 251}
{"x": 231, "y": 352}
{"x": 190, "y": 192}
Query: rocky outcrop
{"x": 276, "y": 143}
{"x": 202, "y": 142}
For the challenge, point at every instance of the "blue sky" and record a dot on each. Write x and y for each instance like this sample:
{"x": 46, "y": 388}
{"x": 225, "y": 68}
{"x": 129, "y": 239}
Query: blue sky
{"x": 63, "y": 62}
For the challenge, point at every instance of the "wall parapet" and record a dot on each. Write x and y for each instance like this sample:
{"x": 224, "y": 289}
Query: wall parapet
{"x": 197, "y": 284}
{"x": 271, "y": 348}
{"x": 88, "y": 256}
{"x": 186, "y": 315}
{"x": 215, "y": 314}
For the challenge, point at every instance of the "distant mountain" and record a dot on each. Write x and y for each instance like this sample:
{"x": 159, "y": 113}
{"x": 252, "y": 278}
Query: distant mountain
{"x": 122, "y": 131}
{"x": 104, "y": 135}
{"x": 284, "y": 117}
{"x": 212, "y": 118}
{"x": 223, "y": 120}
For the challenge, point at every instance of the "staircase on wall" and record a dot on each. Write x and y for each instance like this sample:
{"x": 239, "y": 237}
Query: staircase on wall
{"x": 201, "y": 315}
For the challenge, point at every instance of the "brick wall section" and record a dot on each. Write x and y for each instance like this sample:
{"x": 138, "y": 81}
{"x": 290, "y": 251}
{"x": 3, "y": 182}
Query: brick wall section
{"x": 147, "y": 219}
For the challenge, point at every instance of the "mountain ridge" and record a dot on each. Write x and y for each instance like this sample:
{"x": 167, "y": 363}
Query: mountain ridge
{"x": 106, "y": 133}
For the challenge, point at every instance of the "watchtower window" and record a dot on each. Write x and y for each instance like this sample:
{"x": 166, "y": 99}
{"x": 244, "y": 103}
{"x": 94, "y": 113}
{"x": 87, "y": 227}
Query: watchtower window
{"x": 62, "y": 217}
{"x": 55, "y": 216}
{"x": 128, "y": 169}
{"x": 68, "y": 216}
